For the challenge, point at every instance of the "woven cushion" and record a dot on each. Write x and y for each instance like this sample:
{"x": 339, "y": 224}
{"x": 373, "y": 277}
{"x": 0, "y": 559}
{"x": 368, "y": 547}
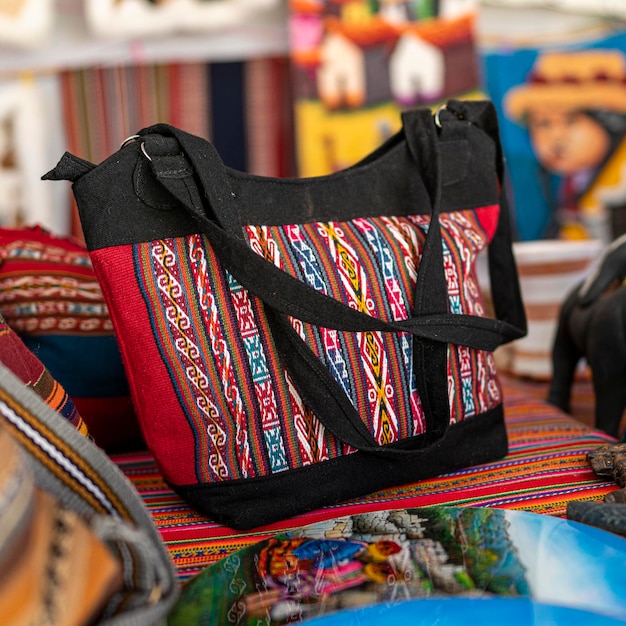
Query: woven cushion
{"x": 31, "y": 371}
{"x": 544, "y": 470}
{"x": 50, "y": 297}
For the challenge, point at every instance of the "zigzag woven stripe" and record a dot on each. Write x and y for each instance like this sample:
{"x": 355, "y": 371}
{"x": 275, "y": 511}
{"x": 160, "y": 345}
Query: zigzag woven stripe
{"x": 389, "y": 248}
{"x": 62, "y": 461}
{"x": 382, "y": 389}
{"x": 314, "y": 443}
{"x": 266, "y": 392}
{"x": 314, "y": 252}
{"x": 397, "y": 284}
{"x": 210, "y": 320}
{"x": 161, "y": 266}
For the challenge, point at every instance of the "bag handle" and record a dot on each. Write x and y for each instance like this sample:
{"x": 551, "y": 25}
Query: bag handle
{"x": 505, "y": 287}
{"x": 430, "y": 358}
{"x": 178, "y": 171}
{"x": 431, "y": 322}
{"x": 199, "y": 161}
{"x": 321, "y": 392}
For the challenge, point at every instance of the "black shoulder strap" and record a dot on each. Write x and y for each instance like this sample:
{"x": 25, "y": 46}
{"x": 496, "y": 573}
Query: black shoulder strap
{"x": 182, "y": 173}
{"x": 506, "y": 293}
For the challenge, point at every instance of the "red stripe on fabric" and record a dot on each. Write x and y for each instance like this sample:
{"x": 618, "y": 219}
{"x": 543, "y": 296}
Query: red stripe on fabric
{"x": 114, "y": 266}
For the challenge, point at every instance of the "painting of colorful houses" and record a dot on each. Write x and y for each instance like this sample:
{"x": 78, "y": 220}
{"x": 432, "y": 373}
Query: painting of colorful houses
{"x": 358, "y": 63}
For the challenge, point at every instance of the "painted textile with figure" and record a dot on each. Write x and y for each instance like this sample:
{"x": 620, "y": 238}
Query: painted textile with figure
{"x": 563, "y": 124}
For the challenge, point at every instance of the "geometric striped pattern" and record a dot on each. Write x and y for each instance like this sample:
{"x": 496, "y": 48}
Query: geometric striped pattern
{"x": 544, "y": 470}
{"x": 215, "y": 345}
{"x": 71, "y": 469}
{"x": 55, "y": 396}
{"x": 47, "y": 286}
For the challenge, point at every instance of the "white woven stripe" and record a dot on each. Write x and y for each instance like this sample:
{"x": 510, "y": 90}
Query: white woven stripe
{"x": 57, "y": 456}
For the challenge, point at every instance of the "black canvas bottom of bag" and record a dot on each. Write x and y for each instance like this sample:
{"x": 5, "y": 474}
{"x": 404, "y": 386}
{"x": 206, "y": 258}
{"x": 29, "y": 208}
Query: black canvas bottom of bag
{"x": 249, "y": 503}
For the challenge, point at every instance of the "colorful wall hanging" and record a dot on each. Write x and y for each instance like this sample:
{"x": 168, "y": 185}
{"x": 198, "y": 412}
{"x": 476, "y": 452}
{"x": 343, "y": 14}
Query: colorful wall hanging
{"x": 563, "y": 124}
{"x": 358, "y": 63}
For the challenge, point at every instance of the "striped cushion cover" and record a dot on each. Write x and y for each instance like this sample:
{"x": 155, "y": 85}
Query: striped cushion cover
{"x": 30, "y": 370}
{"x": 544, "y": 470}
{"x": 51, "y": 299}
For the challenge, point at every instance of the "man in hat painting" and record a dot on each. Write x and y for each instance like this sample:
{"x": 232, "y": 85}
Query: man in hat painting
{"x": 574, "y": 106}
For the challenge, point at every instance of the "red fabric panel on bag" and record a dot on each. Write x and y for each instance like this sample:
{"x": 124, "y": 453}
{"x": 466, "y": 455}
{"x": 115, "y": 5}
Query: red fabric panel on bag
{"x": 170, "y": 437}
{"x": 488, "y": 218}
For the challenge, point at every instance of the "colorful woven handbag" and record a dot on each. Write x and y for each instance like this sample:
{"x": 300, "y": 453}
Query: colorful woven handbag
{"x": 292, "y": 343}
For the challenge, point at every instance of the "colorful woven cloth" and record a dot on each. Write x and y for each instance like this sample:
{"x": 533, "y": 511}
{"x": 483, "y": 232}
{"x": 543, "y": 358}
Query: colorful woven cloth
{"x": 51, "y": 299}
{"x": 544, "y": 470}
{"x": 30, "y": 370}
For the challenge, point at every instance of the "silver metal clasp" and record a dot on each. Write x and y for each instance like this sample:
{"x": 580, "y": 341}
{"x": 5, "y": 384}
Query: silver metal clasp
{"x": 143, "y": 145}
{"x": 128, "y": 140}
{"x": 143, "y": 149}
{"x": 443, "y": 107}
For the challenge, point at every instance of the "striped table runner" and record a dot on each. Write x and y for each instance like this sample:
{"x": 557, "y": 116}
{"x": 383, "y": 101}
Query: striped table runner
{"x": 544, "y": 470}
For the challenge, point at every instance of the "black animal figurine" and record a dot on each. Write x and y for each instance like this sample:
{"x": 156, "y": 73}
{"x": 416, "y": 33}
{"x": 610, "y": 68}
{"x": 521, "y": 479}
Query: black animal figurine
{"x": 592, "y": 324}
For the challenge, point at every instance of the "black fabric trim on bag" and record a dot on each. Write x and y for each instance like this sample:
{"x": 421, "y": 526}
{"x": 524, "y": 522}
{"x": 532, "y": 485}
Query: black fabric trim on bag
{"x": 254, "y": 502}
{"x": 506, "y": 293}
{"x": 104, "y": 207}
